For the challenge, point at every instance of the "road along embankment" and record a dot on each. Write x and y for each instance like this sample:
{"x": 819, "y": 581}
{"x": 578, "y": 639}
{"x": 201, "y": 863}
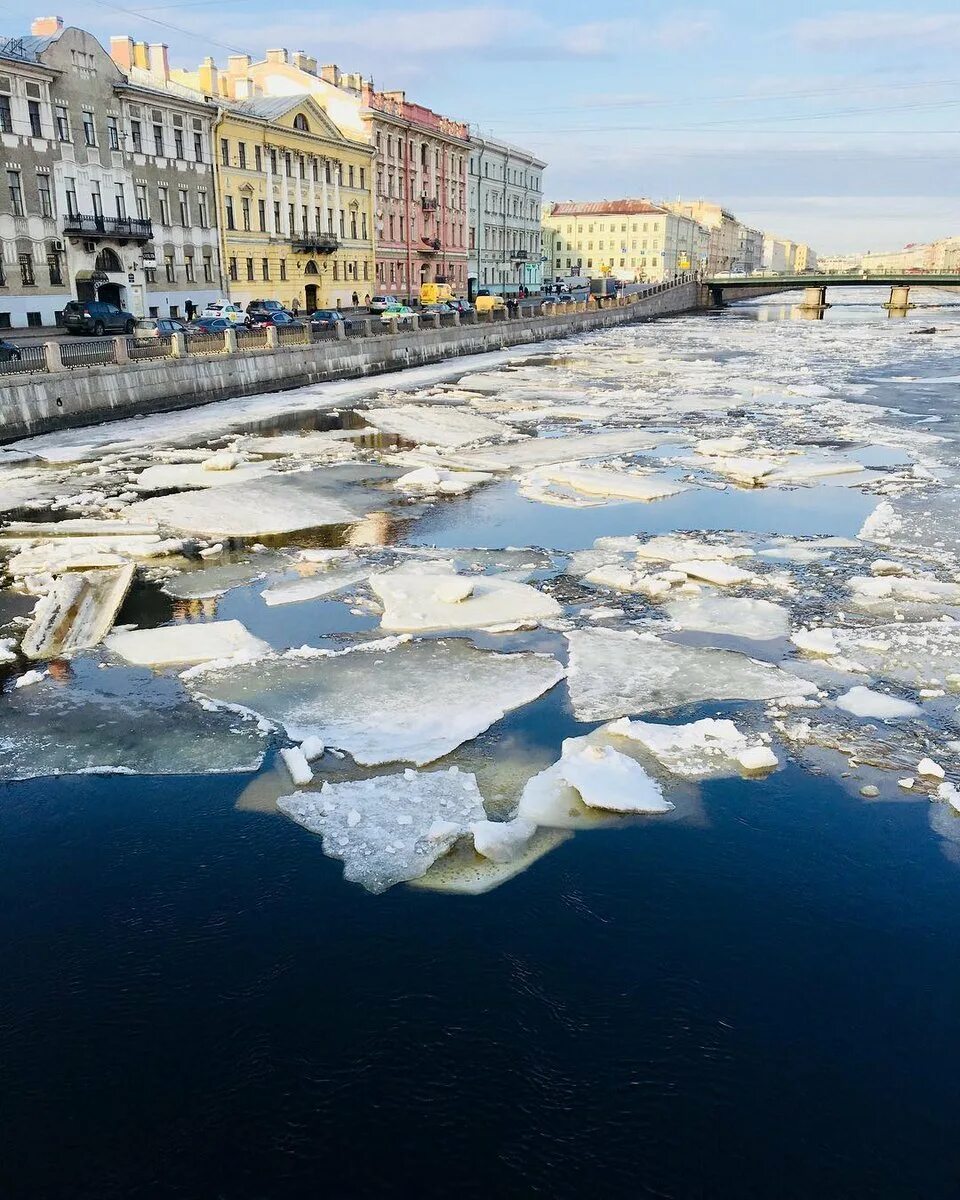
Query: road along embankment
{"x": 61, "y": 395}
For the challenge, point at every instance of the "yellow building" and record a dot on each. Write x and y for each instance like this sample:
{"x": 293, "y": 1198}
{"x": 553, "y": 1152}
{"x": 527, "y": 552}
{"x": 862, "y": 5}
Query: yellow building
{"x": 294, "y": 194}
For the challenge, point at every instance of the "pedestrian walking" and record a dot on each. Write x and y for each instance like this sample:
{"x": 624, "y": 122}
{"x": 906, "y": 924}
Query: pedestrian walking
{"x": 296, "y": 306}
{"x": 189, "y": 308}
{"x": 366, "y": 300}
{"x": 356, "y": 300}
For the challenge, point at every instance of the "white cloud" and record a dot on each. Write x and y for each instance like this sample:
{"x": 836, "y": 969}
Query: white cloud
{"x": 881, "y": 30}
{"x": 602, "y": 38}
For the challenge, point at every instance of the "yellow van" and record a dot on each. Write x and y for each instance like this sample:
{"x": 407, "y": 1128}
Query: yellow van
{"x": 435, "y": 293}
{"x": 489, "y": 303}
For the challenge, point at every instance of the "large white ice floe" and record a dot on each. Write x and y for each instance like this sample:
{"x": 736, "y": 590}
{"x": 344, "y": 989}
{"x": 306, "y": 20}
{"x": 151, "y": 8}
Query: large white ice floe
{"x": 463, "y": 871}
{"x": 614, "y": 673}
{"x": 758, "y": 620}
{"x": 419, "y": 601}
{"x": 392, "y": 828}
{"x": 434, "y": 424}
{"x": 314, "y": 587}
{"x": 607, "y": 779}
{"x": 698, "y": 750}
{"x": 259, "y": 508}
{"x": 502, "y": 841}
{"x": 865, "y": 702}
{"x": 870, "y": 591}
{"x": 916, "y": 653}
{"x": 56, "y": 728}
{"x": 77, "y": 612}
{"x": 674, "y": 549}
{"x": 164, "y": 477}
{"x": 177, "y": 645}
{"x": 431, "y": 481}
{"x": 405, "y": 702}
{"x": 84, "y": 553}
{"x": 715, "y": 571}
{"x": 599, "y": 483}
{"x": 535, "y": 452}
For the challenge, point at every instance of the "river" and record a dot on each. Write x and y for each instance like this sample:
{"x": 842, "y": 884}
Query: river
{"x": 749, "y": 993}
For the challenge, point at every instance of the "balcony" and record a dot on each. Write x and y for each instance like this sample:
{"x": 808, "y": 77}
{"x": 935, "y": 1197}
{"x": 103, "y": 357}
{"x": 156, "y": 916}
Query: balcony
{"x": 429, "y": 245}
{"x": 319, "y": 243}
{"x": 519, "y": 255}
{"x": 429, "y": 203}
{"x": 117, "y": 229}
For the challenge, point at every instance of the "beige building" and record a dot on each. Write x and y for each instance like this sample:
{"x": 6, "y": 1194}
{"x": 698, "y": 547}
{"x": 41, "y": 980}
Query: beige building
{"x": 724, "y": 245}
{"x": 631, "y": 239}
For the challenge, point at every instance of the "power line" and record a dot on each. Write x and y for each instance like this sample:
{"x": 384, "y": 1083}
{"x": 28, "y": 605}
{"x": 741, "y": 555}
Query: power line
{"x": 132, "y": 12}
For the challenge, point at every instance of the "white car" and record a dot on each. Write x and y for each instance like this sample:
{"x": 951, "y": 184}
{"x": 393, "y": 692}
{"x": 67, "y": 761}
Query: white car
{"x": 226, "y": 309}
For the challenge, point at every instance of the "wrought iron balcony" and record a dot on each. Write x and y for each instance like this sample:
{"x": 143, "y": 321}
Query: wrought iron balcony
{"x": 429, "y": 245}
{"x": 315, "y": 243}
{"x": 120, "y": 229}
{"x": 519, "y": 255}
{"x": 429, "y": 203}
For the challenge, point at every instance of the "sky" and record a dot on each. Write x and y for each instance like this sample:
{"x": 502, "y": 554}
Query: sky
{"x": 830, "y": 123}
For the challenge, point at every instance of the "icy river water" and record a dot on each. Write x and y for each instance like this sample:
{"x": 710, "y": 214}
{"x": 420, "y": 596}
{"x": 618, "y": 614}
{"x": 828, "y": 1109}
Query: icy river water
{"x": 537, "y": 775}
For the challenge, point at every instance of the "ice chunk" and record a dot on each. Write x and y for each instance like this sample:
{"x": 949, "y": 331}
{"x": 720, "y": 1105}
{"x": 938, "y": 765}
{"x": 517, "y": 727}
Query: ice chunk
{"x": 714, "y": 570}
{"x": 315, "y": 586}
{"x": 381, "y": 848}
{"x": 915, "y": 653}
{"x": 623, "y": 579}
{"x": 616, "y": 485}
{"x": 8, "y": 652}
{"x": 81, "y": 553}
{"x": 311, "y": 748}
{"x": 54, "y": 729}
{"x": 697, "y": 750}
{"x": 614, "y": 673}
{"x": 949, "y": 793}
{"x": 413, "y": 703}
{"x": 29, "y": 678}
{"x": 748, "y": 471}
{"x": 434, "y": 425}
{"x": 502, "y": 841}
{"x": 722, "y": 447}
{"x": 78, "y": 527}
{"x": 415, "y": 603}
{"x": 928, "y": 769}
{"x": 758, "y": 620}
{"x": 674, "y": 549}
{"x": 607, "y": 779}
{"x": 280, "y": 504}
{"x": 756, "y": 759}
{"x": 464, "y": 872}
{"x": 77, "y": 612}
{"x": 864, "y": 702}
{"x": 174, "y": 645}
{"x": 432, "y": 480}
{"x": 820, "y": 643}
{"x": 539, "y": 451}
{"x": 297, "y": 766}
{"x": 165, "y": 477}
{"x": 869, "y": 590}
{"x": 223, "y": 460}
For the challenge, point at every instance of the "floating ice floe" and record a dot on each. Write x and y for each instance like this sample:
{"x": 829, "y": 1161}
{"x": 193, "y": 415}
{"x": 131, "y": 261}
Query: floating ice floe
{"x": 431, "y": 481}
{"x": 602, "y": 483}
{"x": 164, "y": 477}
{"x": 77, "y": 612}
{"x": 869, "y": 591}
{"x": 614, "y": 673}
{"x": 392, "y": 828}
{"x": 305, "y": 444}
{"x": 675, "y": 549}
{"x": 715, "y": 571}
{"x": 698, "y": 750}
{"x": 502, "y": 841}
{"x": 434, "y": 424}
{"x": 759, "y": 620}
{"x": 79, "y": 527}
{"x": 535, "y": 452}
{"x": 402, "y": 701}
{"x": 314, "y": 587}
{"x": 419, "y": 601}
{"x": 85, "y": 553}
{"x": 259, "y": 508}
{"x": 819, "y": 643}
{"x": 607, "y": 779}
{"x": 915, "y": 653}
{"x": 298, "y": 768}
{"x": 176, "y": 645}
{"x": 864, "y": 702}
{"x": 462, "y": 871}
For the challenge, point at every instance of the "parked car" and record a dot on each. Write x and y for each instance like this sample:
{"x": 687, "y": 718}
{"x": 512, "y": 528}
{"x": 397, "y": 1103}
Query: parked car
{"x": 9, "y": 352}
{"x": 325, "y": 318}
{"x": 158, "y": 327}
{"x": 96, "y": 317}
{"x": 260, "y": 318}
{"x": 402, "y": 313}
{"x": 379, "y": 304}
{"x": 226, "y": 309}
{"x": 487, "y": 303}
{"x": 462, "y": 306}
{"x": 267, "y": 305}
{"x": 201, "y": 325}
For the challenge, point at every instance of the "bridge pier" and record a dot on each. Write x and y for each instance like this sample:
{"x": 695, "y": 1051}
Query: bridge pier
{"x": 814, "y": 300}
{"x": 899, "y": 302}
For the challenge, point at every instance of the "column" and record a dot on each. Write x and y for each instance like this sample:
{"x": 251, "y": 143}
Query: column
{"x": 336, "y": 197}
{"x": 325, "y": 192}
{"x": 271, "y": 224}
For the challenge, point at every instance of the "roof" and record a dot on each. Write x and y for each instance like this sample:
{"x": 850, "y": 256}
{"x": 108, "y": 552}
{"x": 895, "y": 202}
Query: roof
{"x": 268, "y": 108}
{"x": 27, "y": 47}
{"x": 604, "y": 208}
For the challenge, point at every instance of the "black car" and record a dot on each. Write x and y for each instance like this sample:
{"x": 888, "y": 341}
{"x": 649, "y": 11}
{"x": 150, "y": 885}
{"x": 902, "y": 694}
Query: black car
{"x": 325, "y": 318}
{"x": 462, "y": 306}
{"x": 209, "y": 325}
{"x": 260, "y": 318}
{"x": 9, "y": 352}
{"x": 96, "y": 317}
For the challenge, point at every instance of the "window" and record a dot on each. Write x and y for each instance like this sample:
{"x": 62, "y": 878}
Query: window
{"x": 283, "y": 269}
{"x": 329, "y": 220}
{"x": 6, "y": 120}
{"x": 163, "y": 195}
{"x": 292, "y": 227}
{"x": 302, "y": 167}
{"x": 224, "y": 152}
{"x": 288, "y": 166}
{"x": 353, "y": 224}
{"x": 343, "y": 223}
{"x": 207, "y": 268}
{"x": 363, "y": 231}
{"x": 242, "y": 155}
{"x": 262, "y": 215}
{"x": 120, "y": 201}
{"x": 143, "y": 208}
{"x": 265, "y": 267}
{"x": 33, "y": 111}
{"x": 336, "y": 269}
{"x": 202, "y": 210}
{"x": 257, "y": 158}
{"x": 71, "y": 190}
{"x": 169, "y": 268}
{"x": 273, "y": 161}
{"x": 314, "y": 170}
{"x": 326, "y": 170}
{"x": 250, "y": 268}
{"x": 95, "y": 199}
{"x": 26, "y": 270}
{"x": 178, "y": 143}
{"x": 183, "y": 202}
{"x": 300, "y": 122}
{"x": 150, "y": 275}
{"x": 276, "y": 216}
{"x": 63, "y": 123}
{"x": 245, "y": 212}
{"x": 46, "y": 199}
{"x": 350, "y": 176}
{"x": 54, "y": 269}
{"x": 158, "y": 140}
{"x": 363, "y": 177}
{"x": 188, "y": 268}
{"x": 89, "y": 129}
{"x": 228, "y": 204}
{"x": 305, "y": 226}
{"x": 16, "y": 193}
{"x": 198, "y": 147}
{"x": 135, "y": 137}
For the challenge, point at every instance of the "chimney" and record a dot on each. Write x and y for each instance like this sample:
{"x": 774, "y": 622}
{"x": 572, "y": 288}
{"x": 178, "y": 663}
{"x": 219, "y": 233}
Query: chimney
{"x": 305, "y": 62}
{"x": 238, "y": 64}
{"x": 46, "y": 26}
{"x": 207, "y": 77}
{"x": 121, "y": 51}
{"x": 276, "y": 56}
{"x": 330, "y": 74}
{"x": 159, "y": 62}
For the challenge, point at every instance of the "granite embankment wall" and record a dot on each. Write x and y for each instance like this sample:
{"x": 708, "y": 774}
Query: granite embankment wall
{"x": 39, "y": 402}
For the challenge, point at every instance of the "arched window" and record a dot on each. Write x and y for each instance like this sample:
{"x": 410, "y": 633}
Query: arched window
{"x": 107, "y": 260}
{"x": 311, "y": 268}
{"x": 300, "y": 122}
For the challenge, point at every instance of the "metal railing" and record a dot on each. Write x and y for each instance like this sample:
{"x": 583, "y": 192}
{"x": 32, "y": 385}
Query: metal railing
{"x": 93, "y": 352}
{"x": 118, "y": 227}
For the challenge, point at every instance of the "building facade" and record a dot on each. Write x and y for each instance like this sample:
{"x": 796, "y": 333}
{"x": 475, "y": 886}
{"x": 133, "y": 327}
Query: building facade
{"x": 296, "y": 208}
{"x": 418, "y": 178}
{"x": 633, "y": 240}
{"x": 723, "y": 246}
{"x": 505, "y": 204}
{"x": 749, "y": 249}
{"x": 109, "y": 182}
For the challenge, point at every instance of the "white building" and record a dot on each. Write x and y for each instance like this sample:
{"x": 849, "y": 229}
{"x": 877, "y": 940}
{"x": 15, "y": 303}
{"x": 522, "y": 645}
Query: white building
{"x": 504, "y": 201}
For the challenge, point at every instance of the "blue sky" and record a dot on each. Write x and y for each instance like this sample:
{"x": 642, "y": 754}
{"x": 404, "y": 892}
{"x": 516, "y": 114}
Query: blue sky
{"x": 831, "y": 123}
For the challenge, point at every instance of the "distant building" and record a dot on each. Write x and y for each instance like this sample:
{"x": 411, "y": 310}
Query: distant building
{"x": 504, "y": 204}
{"x": 839, "y": 264}
{"x": 805, "y": 258}
{"x": 724, "y": 249}
{"x": 631, "y": 239}
{"x": 749, "y": 248}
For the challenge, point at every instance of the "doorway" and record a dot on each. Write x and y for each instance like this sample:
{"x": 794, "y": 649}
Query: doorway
{"x": 110, "y": 293}
{"x": 310, "y": 296}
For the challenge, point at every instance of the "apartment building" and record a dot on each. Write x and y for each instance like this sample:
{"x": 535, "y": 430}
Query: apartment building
{"x": 505, "y": 203}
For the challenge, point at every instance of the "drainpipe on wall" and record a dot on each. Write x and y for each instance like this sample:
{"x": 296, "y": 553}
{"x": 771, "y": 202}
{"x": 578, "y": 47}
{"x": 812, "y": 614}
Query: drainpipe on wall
{"x": 217, "y": 193}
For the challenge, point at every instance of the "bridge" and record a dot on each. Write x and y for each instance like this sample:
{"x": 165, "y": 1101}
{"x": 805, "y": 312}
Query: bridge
{"x": 718, "y": 289}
